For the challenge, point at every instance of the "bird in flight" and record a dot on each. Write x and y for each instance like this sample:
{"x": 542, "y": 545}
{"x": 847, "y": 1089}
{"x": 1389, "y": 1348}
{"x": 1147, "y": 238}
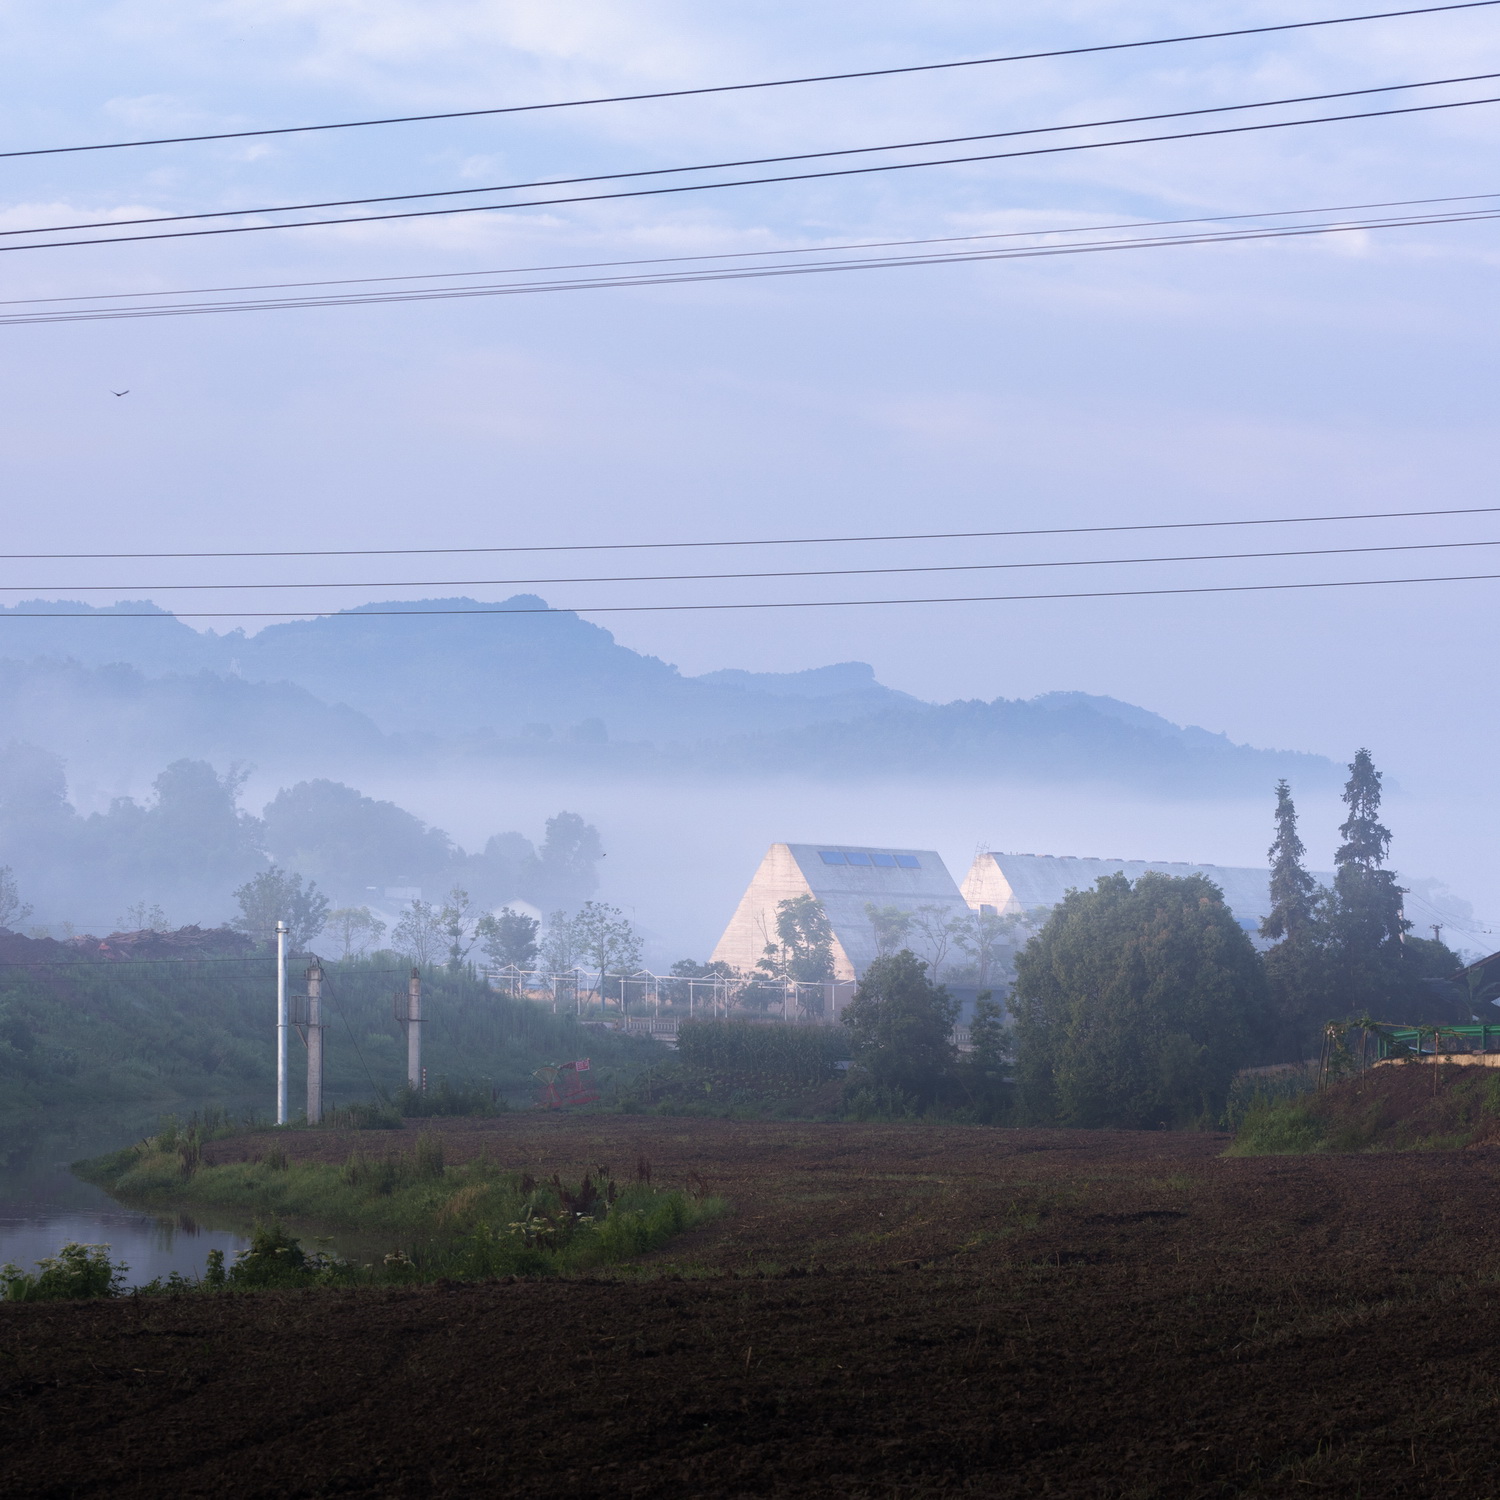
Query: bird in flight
{"x": 119, "y": 393}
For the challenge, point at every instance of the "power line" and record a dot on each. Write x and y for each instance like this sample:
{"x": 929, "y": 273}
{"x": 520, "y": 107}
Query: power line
{"x": 775, "y": 83}
{"x": 703, "y": 187}
{"x": 751, "y": 273}
{"x": 361, "y": 612}
{"x": 751, "y": 161}
{"x": 989, "y": 567}
{"x": 660, "y": 260}
{"x": 779, "y": 541}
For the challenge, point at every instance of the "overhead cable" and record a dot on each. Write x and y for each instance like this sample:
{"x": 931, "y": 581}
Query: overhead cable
{"x": 749, "y": 161}
{"x": 775, "y": 541}
{"x": 774, "y": 83}
{"x": 977, "y": 567}
{"x": 363, "y": 613}
{"x": 741, "y": 273}
{"x": 702, "y": 187}
{"x": 751, "y": 255}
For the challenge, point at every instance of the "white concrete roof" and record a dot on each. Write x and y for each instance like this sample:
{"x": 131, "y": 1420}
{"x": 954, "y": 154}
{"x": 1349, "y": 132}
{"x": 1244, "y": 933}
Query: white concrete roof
{"x": 1030, "y": 882}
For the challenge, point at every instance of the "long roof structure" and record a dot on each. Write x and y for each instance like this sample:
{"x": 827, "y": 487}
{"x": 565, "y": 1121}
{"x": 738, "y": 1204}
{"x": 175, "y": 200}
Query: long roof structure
{"x": 1034, "y": 882}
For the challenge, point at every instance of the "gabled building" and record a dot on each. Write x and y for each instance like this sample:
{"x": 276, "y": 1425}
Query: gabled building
{"x": 1034, "y": 882}
{"x": 845, "y": 878}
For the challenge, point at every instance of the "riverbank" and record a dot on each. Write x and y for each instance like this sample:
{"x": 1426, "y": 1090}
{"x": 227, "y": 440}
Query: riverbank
{"x": 396, "y": 1193}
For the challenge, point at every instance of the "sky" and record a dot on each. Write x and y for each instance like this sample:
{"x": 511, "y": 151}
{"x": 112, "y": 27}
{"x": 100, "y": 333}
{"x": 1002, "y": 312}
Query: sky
{"x": 1311, "y": 376}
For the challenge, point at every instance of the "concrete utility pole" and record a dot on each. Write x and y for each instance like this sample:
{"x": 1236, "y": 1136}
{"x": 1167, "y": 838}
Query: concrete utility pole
{"x": 414, "y": 1029}
{"x": 314, "y": 1043}
{"x": 281, "y": 1026}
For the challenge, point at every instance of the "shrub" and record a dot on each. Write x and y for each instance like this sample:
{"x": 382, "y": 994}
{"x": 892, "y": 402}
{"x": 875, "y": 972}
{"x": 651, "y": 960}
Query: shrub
{"x": 804, "y": 1053}
{"x": 75, "y": 1271}
{"x": 901, "y": 1031}
{"x": 445, "y": 1098}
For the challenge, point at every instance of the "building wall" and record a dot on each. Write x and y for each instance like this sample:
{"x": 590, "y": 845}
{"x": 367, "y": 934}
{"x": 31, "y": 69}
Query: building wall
{"x": 790, "y": 870}
{"x": 753, "y": 924}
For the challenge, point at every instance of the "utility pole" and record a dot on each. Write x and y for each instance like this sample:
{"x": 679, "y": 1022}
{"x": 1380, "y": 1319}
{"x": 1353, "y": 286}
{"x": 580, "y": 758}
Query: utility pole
{"x": 281, "y": 1023}
{"x": 414, "y": 1030}
{"x": 314, "y": 1042}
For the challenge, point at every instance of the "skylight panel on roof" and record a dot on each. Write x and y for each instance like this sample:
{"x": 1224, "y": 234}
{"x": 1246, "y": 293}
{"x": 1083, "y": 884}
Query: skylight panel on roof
{"x": 908, "y": 861}
{"x": 885, "y": 861}
{"x": 830, "y": 856}
{"x": 857, "y": 859}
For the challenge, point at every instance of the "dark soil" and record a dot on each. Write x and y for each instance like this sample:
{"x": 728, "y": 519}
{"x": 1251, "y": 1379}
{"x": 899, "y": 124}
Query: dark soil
{"x": 889, "y": 1311}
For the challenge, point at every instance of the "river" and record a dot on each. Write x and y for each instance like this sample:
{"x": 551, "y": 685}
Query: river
{"x": 43, "y": 1206}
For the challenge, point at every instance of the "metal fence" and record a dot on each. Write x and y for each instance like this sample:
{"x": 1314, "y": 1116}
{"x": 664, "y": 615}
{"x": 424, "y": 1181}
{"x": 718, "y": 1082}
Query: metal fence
{"x": 674, "y": 996}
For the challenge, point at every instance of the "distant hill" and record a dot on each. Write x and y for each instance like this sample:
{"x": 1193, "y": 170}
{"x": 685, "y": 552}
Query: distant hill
{"x": 380, "y": 683}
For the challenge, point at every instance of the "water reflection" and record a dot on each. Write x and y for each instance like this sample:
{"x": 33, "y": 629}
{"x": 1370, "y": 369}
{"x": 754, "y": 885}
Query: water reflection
{"x": 43, "y": 1206}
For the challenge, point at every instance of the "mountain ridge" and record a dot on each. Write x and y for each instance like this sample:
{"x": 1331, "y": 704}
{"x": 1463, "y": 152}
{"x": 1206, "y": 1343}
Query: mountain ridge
{"x": 549, "y": 688}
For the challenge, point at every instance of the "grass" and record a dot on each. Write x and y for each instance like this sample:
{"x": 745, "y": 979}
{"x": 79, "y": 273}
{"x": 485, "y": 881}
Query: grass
{"x": 134, "y": 1039}
{"x": 465, "y": 1222}
{"x": 1413, "y": 1107}
{"x": 804, "y": 1054}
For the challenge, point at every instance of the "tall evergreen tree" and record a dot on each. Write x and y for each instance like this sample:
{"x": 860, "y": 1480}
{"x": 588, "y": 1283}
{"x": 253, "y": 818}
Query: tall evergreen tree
{"x": 1297, "y": 974}
{"x": 1293, "y": 891}
{"x": 1366, "y": 919}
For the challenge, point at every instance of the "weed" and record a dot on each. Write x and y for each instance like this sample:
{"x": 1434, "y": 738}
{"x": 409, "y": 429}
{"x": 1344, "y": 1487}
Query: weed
{"x": 75, "y": 1271}
{"x": 462, "y": 1222}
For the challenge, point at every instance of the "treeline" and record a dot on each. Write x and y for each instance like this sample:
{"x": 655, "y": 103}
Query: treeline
{"x": 179, "y": 854}
{"x": 130, "y": 1031}
{"x": 1137, "y": 1004}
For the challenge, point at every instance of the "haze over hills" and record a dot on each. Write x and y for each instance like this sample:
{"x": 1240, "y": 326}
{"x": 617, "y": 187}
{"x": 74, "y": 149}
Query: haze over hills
{"x": 384, "y": 685}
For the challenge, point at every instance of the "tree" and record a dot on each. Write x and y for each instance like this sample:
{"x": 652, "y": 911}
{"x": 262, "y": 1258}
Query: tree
{"x": 1297, "y": 976}
{"x": 605, "y": 940}
{"x": 351, "y": 841}
{"x": 559, "y": 947}
{"x": 509, "y": 938}
{"x": 690, "y": 968}
{"x": 1135, "y": 1005}
{"x": 419, "y": 933}
{"x": 982, "y": 1072}
{"x": 460, "y": 924}
{"x": 901, "y": 1030}
{"x": 275, "y": 896}
{"x": 938, "y": 928}
{"x": 986, "y": 936}
{"x": 12, "y": 909}
{"x": 803, "y": 950}
{"x": 355, "y": 928}
{"x": 1366, "y": 917}
{"x": 562, "y": 870}
{"x": 144, "y": 917}
{"x": 891, "y": 924}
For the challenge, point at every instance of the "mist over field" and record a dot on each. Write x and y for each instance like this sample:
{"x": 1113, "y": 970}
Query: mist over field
{"x": 384, "y": 757}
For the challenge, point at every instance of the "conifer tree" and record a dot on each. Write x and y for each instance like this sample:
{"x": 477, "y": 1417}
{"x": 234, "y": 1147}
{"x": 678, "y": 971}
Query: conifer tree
{"x": 1296, "y": 968}
{"x": 1366, "y": 918}
{"x": 1293, "y": 891}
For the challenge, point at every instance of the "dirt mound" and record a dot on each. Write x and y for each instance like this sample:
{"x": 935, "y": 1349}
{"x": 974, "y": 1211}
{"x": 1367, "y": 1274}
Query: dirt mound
{"x": 184, "y": 942}
{"x": 1399, "y": 1107}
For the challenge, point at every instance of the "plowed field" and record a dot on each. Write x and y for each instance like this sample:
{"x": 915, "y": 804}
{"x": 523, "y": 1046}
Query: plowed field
{"x": 889, "y": 1310}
